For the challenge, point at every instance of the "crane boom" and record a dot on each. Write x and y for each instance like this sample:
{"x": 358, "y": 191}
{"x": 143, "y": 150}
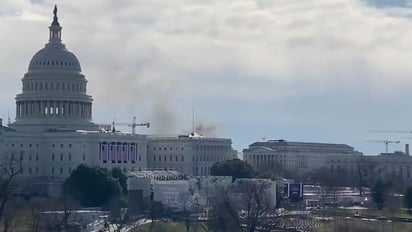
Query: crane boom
{"x": 391, "y": 131}
{"x": 386, "y": 142}
{"x": 133, "y": 125}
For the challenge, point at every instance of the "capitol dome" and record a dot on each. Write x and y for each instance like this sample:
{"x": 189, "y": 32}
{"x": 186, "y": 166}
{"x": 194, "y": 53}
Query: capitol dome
{"x": 54, "y": 93}
{"x": 54, "y": 57}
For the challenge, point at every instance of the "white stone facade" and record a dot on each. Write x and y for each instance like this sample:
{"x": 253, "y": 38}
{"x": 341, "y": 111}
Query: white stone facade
{"x": 299, "y": 157}
{"x": 191, "y": 155}
{"x": 53, "y": 132}
{"x": 386, "y": 166}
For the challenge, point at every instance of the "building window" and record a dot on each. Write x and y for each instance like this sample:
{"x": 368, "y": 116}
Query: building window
{"x": 37, "y": 157}
{"x": 53, "y": 157}
{"x": 61, "y": 145}
{"x": 154, "y": 158}
{"x": 170, "y": 158}
{"x": 70, "y": 170}
{"x": 84, "y": 157}
{"x": 177, "y": 159}
{"x": 61, "y": 157}
{"x": 52, "y": 170}
{"x": 21, "y": 156}
{"x": 30, "y": 157}
{"x": 140, "y": 158}
{"x": 61, "y": 170}
{"x": 183, "y": 158}
{"x": 70, "y": 157}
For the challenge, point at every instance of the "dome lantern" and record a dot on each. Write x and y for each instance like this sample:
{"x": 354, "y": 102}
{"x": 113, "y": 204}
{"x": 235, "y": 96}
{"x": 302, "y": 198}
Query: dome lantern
{"x": 55, "y": 28}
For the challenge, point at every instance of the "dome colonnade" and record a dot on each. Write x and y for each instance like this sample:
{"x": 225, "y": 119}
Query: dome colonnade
{"x": 54, "y": 92}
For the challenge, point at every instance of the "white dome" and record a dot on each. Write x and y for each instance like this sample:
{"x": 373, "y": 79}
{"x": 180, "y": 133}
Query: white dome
{"x": 54, "y": 56}
{"x": 54, "y": 93}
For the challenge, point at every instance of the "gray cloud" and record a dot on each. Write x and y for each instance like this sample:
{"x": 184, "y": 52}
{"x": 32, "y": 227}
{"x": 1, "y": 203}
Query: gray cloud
{"x": 253, "y": 66}
{"x": 389, "y": 3}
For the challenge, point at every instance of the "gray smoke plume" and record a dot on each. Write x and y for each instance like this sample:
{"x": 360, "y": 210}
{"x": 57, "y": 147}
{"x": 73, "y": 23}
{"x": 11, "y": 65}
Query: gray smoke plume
{"x": 163, "y": 117}
{"x": 207, "y": 130}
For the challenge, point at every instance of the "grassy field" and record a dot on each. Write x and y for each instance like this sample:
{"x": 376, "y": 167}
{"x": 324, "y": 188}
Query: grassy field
{"x": 401, "y": 213}
{"x": 365, "y": 226}
{"x": 167, "y": 227}
{"x": 161, "y": 227}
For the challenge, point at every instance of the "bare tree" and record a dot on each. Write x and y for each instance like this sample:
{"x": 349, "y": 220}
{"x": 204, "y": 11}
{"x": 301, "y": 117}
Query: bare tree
{"x": 188, "y": 208}
{"x": 224, "y": 215}
{"x": 119, "y": 217}
{"x": 40, "y": 222}
{"x": 157, "y": 210}
{"x": 9, "y": 217}
{"x": 259, "y": 211}
{"x": 190, "y": 212}
{"x": 10, "y": 169}
{"x": 36, "y": 217}
{"x": 246, "y": 206}
{"x": 52, "y": 214}
{"x": 364, "y": 173}
{"x": 67, "y": 205}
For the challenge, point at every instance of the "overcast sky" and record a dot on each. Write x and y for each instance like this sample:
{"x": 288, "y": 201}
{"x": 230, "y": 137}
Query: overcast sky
{"x": 300, "y": 70}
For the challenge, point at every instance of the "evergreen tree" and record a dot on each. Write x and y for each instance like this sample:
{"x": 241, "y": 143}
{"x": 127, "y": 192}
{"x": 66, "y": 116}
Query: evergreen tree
{"x": 407, "y": 199}
{"x": 236, "y": 168}
{"x": 380, "y": 192}
{"x": 91, "y": 186}
{"x": 122, "y": 178}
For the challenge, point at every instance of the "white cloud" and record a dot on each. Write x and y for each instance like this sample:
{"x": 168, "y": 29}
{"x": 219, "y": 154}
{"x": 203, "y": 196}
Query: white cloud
{"x": 151, "y": 58}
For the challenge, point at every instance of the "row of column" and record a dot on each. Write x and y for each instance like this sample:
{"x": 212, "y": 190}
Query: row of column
{"x": 30, "y": 109}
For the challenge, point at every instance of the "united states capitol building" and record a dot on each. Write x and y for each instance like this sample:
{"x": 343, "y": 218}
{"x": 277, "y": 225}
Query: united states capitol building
{"x": 53, "y": 131}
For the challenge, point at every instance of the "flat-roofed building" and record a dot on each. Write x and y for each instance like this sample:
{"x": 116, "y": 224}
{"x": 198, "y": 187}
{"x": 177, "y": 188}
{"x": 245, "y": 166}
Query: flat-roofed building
{"x": 299, "y": 157}
{"x": 396, "y": 166}
{"x": 190, "y": 154}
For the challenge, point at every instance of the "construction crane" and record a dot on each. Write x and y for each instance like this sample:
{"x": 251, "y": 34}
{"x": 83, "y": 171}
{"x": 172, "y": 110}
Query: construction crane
{"x": 392, "y": 131}
{"x": 386, "y": 142}
{"x": 133, "y": 125}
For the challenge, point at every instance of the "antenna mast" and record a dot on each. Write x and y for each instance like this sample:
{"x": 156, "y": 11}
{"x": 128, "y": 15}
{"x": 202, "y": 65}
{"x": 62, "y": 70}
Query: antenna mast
{"x": 193, "y": 121}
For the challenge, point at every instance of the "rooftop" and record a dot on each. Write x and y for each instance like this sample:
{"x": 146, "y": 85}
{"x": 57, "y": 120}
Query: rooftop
{"x": 281, "y": 142}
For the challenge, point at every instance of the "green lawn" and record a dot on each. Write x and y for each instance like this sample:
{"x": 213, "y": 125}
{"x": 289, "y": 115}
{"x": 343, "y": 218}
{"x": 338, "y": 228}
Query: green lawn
{"x": 167, "y": 227}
